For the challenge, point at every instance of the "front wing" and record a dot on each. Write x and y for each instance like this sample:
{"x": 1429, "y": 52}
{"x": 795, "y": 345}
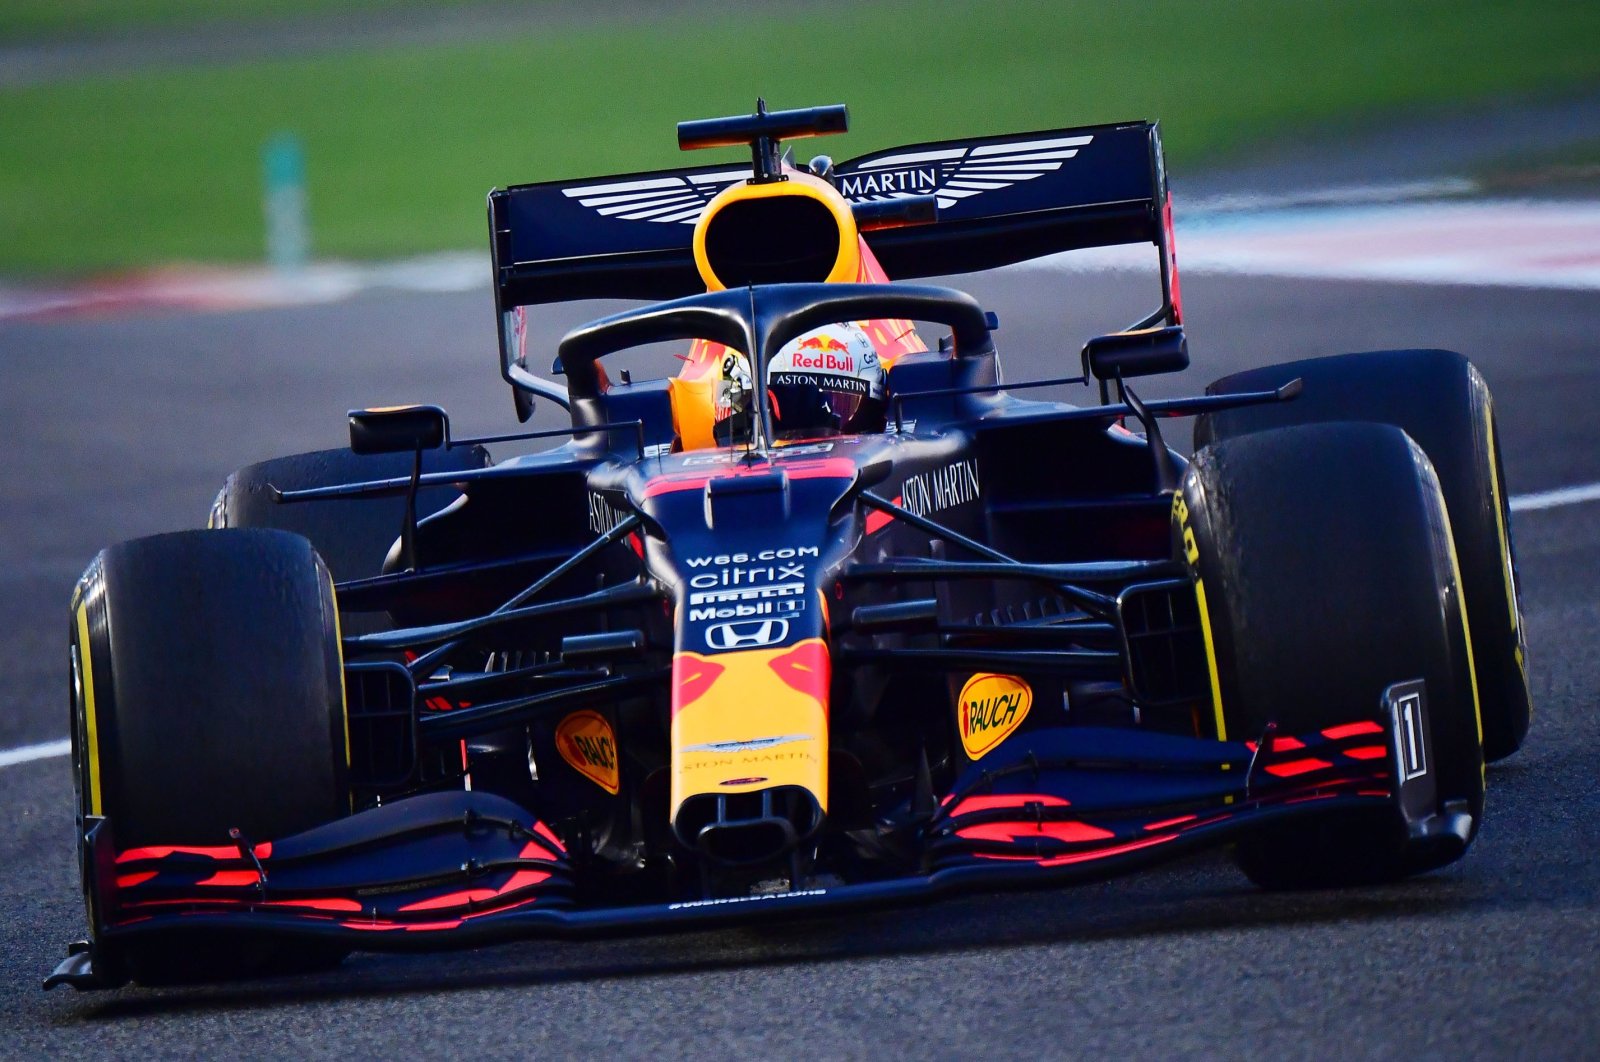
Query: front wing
{"x": 460, "y": 869}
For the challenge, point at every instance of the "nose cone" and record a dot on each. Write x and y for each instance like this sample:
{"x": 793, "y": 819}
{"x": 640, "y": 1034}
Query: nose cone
{"x": 750, "y": 748}
{"x": 749, "y": 547}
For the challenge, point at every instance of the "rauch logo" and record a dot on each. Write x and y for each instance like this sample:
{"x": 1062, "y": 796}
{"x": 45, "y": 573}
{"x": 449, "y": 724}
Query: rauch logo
{"x": 589, "y": 745}
{"x": 990, "y": 708}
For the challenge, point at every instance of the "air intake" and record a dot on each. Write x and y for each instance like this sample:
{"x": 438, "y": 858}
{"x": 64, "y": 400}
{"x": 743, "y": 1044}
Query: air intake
{"x": 737, "y": 829}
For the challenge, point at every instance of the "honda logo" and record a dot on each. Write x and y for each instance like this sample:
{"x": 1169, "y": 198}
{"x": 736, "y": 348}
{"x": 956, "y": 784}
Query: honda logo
{"x": 750, "y": 634}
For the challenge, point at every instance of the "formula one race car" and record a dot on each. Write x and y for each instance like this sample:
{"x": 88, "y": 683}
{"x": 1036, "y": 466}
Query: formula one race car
{"x": 828, "y": 618}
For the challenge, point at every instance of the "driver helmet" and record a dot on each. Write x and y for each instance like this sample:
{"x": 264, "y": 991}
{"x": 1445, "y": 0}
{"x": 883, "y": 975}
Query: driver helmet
{"x": 827, "y": 382}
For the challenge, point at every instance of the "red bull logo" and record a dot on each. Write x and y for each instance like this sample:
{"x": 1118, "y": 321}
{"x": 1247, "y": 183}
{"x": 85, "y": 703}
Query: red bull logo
{"x": 823, "y": 352}
{"x": 823, "y": 343}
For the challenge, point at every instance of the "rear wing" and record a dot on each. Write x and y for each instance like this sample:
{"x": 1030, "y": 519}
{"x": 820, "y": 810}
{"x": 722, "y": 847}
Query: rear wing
{"x": 1001, "y": 200}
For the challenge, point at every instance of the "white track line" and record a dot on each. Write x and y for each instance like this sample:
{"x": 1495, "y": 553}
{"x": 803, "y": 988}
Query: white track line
{"x": 29, "y": 753}
{"x": 1549, "y": 499}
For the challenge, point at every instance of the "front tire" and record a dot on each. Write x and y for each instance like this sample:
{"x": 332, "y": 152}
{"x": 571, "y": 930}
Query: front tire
{"x": 208, "y": 694}
{"x": 1439, "y": 399}
{"x": 1324, "y": 556}
{"x": 351, "y": 535}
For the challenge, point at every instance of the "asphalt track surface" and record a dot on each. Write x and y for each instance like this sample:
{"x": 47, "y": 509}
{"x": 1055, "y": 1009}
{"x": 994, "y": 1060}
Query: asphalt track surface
{"x": 117, "y": 427}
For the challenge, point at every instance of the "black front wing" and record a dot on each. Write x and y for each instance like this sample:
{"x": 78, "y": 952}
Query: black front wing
{"x": 461, "y": 869}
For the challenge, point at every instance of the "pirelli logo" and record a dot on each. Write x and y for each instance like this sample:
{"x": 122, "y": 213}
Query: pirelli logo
{"x": 749, "y": 593}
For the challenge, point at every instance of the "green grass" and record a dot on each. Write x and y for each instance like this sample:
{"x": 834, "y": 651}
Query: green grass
{"x": 1575, "y": 156}
{"x": 22, "y": 20}
{"x": 402, "y": 145}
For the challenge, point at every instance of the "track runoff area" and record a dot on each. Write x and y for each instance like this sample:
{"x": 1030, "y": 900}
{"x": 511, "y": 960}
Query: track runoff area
{"x": 1527, "y": 244}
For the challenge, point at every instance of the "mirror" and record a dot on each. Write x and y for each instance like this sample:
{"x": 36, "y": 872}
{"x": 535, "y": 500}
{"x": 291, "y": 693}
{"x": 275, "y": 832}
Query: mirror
{"x": 1146, "y": 352}
{"x": 396, "y": 429}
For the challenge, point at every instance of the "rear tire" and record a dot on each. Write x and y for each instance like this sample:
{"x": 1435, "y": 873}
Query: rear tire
{"x": 208, "y": 694}
{"x": 1324, "y": 555}
{"x": 1439, "y": 399}
{"x": 353, "y": 536}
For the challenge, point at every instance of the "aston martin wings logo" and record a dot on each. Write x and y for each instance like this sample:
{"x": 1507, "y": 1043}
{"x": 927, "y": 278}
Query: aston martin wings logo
{"x": 950, "y": 174}
{"x": 665, "y": 199}
{"x": 954, "y": 174}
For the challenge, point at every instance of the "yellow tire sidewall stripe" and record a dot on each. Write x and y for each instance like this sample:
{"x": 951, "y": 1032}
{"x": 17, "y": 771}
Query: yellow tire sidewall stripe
{"x": 1466, "y": 628}
{"x": 344, "y": 693}
{"x": 1505, "y": 546}
{"x": 1211, "y": 658}
{"x": 91, "y": 730}
{"x": 1191, "y": 554}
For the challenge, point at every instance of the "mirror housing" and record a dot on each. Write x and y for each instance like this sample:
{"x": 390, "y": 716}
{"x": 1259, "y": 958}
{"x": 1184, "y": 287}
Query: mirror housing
{"x": 1146, "y": 352}
{"x": 398, "y": 429}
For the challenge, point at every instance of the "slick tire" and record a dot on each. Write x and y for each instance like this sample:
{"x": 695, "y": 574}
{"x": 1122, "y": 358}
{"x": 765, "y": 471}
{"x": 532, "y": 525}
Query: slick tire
{"x": 208, "y": 694}
{"x": 1324, "y": 560}
{"x": 352, "y": 535}
{"x": 1439, "y": 399}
